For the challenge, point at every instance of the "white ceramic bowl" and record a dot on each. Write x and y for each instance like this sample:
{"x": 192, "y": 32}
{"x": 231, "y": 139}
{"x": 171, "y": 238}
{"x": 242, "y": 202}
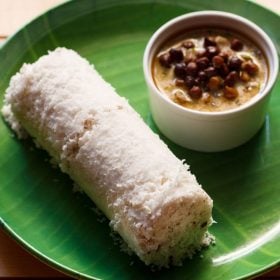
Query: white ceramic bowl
{"x": 210, "y": 131}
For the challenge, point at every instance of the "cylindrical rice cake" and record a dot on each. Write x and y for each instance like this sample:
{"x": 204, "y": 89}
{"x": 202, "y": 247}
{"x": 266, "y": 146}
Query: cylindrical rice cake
{"x": 149, "y": 195}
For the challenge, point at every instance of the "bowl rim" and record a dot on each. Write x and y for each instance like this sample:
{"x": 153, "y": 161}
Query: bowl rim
{"x": 272, "y": 77}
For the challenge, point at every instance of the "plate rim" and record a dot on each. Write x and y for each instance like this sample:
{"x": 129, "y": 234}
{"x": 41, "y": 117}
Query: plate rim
{"x": 53, "y": 263}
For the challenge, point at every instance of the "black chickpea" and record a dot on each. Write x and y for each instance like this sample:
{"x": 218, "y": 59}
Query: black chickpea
{"x": 231, "y": 79}
{"x": 214, "y": 83}
{"x": 236, "y": 45}
{"x": 189, "y": 81}
{"x": 230, "y": 92}
{"x": 250, "y": 67}
{"x": 191, "y": 68}
{"x": 202, "y": 62}
{"x": 180, "y": 70}
{"x": 235, "y": 63}
{"x": 164, "y": 60}
{"x": 176, "y": 55}
{"x": 195, "y": 92}
{"x": 217, "y": 61}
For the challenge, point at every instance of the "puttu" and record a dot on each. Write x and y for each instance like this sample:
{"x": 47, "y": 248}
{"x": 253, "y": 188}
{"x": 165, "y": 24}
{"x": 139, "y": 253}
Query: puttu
{"x": 150, "y": 197}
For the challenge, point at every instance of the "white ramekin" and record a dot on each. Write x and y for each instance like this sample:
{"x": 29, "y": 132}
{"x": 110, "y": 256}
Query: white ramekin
{"x": 210, "y": 131}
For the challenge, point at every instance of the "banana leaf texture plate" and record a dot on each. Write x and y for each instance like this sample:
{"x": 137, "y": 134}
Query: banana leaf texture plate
{"x": 40, "y": 210}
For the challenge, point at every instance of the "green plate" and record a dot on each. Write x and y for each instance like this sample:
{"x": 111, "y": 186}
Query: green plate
{"x": 37, "y": 205}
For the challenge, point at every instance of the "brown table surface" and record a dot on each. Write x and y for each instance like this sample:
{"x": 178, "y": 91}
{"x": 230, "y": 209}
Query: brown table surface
{"x": 14, "y": 260}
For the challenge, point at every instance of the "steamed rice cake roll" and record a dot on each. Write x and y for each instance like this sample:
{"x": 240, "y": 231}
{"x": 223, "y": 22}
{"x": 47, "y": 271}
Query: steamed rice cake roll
{"x": 150, "y": 197}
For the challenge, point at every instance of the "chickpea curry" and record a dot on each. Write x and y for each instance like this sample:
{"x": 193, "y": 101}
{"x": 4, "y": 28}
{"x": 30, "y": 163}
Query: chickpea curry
{"x": 210, "y": 70}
